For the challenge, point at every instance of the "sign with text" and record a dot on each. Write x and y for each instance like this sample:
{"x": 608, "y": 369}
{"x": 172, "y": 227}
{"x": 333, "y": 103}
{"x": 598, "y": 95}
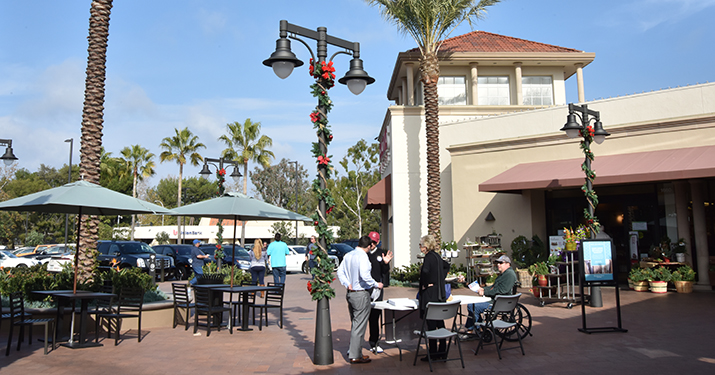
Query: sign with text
{"x": 598, "y": 258}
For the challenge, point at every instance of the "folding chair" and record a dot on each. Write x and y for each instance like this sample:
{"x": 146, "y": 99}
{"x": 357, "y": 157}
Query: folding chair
{"x": 182, "y": 301}
{"x": 273, "y": 300}
{"x": 500, "y": 320}
{"x": 205, "y": 306}
{"x": 19, "y": 318}
{"x": 129, "y": 305}
{"x": 439, "y": 311}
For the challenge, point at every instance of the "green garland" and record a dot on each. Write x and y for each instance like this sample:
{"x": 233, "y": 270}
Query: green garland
{"x": 592, "y": 223}
{"x": 219, "y": 234}
{"x": 320, "y": 287}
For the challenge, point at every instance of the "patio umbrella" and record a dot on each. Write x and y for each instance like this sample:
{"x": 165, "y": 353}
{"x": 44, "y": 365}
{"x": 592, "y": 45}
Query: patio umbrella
{"x": 237, "y": 206}
{"x": 81, "y": 198}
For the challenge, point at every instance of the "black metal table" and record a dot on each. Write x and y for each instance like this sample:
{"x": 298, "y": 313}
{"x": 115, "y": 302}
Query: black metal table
{"x": 245, "y": 289}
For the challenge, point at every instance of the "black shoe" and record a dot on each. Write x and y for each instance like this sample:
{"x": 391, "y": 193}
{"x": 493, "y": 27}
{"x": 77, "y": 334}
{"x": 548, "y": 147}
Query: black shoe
{"x": 363, "y": 359}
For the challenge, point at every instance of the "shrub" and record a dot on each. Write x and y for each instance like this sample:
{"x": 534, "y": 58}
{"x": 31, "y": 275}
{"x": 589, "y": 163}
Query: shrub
{"x": 638, "y": 274}
{"x": 683, "y": 273}
{"x": 409, "y": 273}
{"x": 659, "y": 274}
{"x": 525, "y": 253}
{"x": 539, "y": 268}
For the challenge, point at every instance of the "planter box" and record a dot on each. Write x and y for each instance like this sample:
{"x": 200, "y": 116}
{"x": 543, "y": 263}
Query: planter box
{"x": 683, "y": 286}
{"x": 640, "y": 286}
{"x": 659, "y": 286}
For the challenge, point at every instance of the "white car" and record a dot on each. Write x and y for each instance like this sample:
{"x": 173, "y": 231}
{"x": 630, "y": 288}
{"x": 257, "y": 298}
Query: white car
{"x": 295, "y": 261}
{"x": 10, "y": 260}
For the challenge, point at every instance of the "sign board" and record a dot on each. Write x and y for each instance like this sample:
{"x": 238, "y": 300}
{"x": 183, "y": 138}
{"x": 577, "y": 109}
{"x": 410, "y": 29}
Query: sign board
{"x": 639, "y": 225}
{"x": 598, "y": 257}
{"x": 556, "y": 244}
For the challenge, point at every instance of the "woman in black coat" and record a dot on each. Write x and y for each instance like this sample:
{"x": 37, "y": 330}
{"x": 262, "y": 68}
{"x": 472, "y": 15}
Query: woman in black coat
{"x": 434, "y": 270}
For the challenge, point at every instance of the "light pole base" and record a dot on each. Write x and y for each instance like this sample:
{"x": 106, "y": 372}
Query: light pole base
{"x": 323, "y": 350}
{"x": 596, "y": 300}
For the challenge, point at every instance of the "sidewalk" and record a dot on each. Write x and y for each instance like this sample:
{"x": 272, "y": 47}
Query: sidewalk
{"x": 671, "y": 333}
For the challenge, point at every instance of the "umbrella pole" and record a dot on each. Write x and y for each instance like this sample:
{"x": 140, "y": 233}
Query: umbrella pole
{"x": 233, "y": 250}
{"x": 76, "y": 251}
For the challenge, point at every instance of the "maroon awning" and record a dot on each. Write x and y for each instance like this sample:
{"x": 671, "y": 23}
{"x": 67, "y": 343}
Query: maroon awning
{"x": 663, "y": 165}
{"x": 379, "y": 194}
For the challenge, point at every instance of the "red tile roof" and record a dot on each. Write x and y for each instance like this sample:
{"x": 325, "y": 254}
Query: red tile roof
{"x": 482, "y": 41}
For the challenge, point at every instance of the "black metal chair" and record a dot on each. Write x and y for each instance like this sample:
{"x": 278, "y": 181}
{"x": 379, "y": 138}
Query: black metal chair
{"x": 103, "y": 306}
{"x": 439, "y": 311}
{"x": 18, "y": 317}
{"x": 182, "y": 301}
{"x": 273, "y": 300}
{"x": 213, "y": 310}
{"x": 129, "y": 305}
{"x": 495, "y": 323}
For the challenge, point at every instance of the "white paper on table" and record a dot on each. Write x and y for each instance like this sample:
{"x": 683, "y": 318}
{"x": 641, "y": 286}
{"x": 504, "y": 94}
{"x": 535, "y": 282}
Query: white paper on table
{"x": 474, "y": 286}
{"x": 403, "y": 302}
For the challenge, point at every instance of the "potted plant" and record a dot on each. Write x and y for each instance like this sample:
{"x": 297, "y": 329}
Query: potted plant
{"x": 679, "y": 251}
{"x": 683, "y": 279}
{"x": 638, "y": 277}
{"x": 540, "y": 269}
{"x": 658, "y": 279}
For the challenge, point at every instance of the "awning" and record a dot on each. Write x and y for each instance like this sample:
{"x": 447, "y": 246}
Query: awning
{"x": 663, "y": 165}
{"x": 380, "y": 194}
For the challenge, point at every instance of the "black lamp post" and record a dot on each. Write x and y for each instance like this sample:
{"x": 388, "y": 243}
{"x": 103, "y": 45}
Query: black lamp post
{"x": 283, "y": 60}
{"x": 221, "y": 161}
{"x": 588, "y": 133}
{"x": 8, "y": 157}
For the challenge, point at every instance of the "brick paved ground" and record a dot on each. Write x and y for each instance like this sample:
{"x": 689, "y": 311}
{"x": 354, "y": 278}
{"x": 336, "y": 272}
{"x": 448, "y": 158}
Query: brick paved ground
{"x": 671, "y": 333}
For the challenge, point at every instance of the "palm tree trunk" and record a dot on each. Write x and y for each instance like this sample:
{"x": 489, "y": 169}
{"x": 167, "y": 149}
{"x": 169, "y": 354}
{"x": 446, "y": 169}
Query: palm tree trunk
{"x": 92, "y": 124}
{"x": 134, "y": 195}
{"x": 429, "y": 67}
{"x": 178, "y": 203}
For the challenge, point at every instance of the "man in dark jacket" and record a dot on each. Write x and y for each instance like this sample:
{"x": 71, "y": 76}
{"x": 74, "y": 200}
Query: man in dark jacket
{"x": 380, "y": 262}
{"x": 503, "y": 285}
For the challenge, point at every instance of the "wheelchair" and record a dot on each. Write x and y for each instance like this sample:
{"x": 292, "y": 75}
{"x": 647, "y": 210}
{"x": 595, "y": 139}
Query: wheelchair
{"x": 521, "y": 315}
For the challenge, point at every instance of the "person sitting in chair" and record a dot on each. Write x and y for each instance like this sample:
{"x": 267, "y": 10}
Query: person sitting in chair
{"x": 503, "y": 285}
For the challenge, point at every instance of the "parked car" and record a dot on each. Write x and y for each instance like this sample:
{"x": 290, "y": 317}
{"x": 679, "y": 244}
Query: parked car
{"x": 46, "y": 253}
{"x": 23, "y": 250}
{"x": 339, "y": 250}
{"x": 297, "y": 256}
{"x": 10, "y": 260}
{"x": 131, "y": 254}
{"x": 242, "y": 260}
{"x": 35, "y": 250}
{"x": 182, "y": 258}
{"x": 352, "y": 243}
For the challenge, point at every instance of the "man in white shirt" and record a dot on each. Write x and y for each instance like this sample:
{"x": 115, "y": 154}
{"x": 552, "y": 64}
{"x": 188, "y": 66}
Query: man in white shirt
{"x": 354, "y": 274}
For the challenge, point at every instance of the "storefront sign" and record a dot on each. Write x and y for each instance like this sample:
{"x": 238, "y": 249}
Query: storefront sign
{"x": 598, "y": 258}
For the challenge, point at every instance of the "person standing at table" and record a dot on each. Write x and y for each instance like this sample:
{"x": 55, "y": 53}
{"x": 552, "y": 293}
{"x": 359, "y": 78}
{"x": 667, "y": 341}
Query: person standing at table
{"x": 197, "y": 262}
{"x": 277, "y": 252}
{"x": 434, "y": 270}
{"x": 258, "y": 262}
{"x": 354, "y": 274}
{"x": 380, "y": 262}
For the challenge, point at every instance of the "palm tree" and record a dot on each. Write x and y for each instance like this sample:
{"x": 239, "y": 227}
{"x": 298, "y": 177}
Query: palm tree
{"x": 140, "y": 162}
{"x": 182, "y": 147}
{"x": 429, "y": 23}
{"x": 244, "y": 143}
{"x": 92, "y": 124}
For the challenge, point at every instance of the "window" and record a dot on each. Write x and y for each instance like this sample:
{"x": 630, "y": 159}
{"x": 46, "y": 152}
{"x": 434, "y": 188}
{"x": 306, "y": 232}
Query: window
{"x": 452, "y": 90}
{"x": 537, "y": 90}
{"x": 493, "y": 90}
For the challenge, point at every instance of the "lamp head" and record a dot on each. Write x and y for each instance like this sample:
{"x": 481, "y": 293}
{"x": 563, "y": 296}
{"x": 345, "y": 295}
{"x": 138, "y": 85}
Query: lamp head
{"x": 599, "y": 134}
{"x": 205, "y": 170}
{"x": 283, "y": 60}
{"x": 8, "y": 158}
{"x": 236, "y": 174}
{"x": 356, "y": 78}
{"x": 572, "y": 127}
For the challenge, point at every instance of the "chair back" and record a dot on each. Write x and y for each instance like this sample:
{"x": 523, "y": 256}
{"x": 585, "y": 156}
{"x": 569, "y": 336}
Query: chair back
{"x": 181, "y": 294}
{"x": 251, "y": 295}
{"x": 202, "y": 297}
{"x": 275, "y": 296}
{"x": 17, "y": 306}
{"x": 105, "y": 305}
{"x": 131, "y": 299}
{"x": 505, "y": 304}
{"x": 441, "y": 310}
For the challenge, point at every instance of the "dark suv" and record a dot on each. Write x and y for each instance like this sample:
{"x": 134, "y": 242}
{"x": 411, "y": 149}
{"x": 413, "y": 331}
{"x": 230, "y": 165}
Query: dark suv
{"x": 242, "y": 260}
{"x": 182, "y": 258}
{"x": 131, "y": 254}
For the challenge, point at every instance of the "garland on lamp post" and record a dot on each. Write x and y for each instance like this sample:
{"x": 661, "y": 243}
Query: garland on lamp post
{"x": 587, "y": 133}
{"x": 319, "y": 287}
{"x": 220, "y": 173}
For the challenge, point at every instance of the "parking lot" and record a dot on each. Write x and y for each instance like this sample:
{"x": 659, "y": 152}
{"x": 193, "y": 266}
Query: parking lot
{"x": 670, "y": 333}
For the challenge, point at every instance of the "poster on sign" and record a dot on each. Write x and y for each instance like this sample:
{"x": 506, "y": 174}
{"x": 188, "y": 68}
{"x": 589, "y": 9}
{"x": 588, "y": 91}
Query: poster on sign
{"x": 598, "y": 259}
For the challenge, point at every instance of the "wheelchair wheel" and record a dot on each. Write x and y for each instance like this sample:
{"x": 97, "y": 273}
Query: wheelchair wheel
{"x": 523, "y": 318}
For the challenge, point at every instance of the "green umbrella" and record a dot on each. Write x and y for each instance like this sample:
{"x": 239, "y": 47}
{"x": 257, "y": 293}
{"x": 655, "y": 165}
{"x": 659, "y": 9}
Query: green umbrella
{"x": 237, "y": 206}
{"x": 81, "y": 198}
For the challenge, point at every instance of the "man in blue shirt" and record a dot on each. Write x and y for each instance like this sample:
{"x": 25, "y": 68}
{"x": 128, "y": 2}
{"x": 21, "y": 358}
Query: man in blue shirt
{"x": 354, "y": 274}
{"x": 277, "y": 252}
{"x": 197, "y": 262}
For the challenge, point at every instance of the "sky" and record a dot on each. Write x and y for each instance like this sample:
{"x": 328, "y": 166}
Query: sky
{"x": 198, "y": 64}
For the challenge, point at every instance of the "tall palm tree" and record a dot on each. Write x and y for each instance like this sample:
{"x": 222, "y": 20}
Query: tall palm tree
{"x": 429, "y": 23}
{"x": 244, "y": 144}
{"x": 182, "y": 147}
{"x": 140, "y": 163}
{"x": 92, "y": 124}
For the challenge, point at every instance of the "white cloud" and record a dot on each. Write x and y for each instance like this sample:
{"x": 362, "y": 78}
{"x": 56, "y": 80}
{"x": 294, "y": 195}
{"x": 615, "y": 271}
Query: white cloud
{"x": 647, "y": 14}
{"x": 211, "y": 22}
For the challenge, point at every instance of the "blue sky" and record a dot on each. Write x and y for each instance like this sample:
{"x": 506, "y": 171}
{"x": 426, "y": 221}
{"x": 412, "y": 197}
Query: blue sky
{"x": 178, "y": 63}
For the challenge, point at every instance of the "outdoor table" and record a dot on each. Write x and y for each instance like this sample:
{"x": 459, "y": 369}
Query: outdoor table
{"x": 60, "y": 335}
{"x": 466, "y": 300}
{"x": 245, "y": 289}
{"x": 84, "y": 297}
{"x": 410, "y": 305}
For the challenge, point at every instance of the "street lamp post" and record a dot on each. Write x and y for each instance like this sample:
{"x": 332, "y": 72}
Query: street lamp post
{"x": 235, "y": 175}
{"x": 8, "y": 157}
{"x": 589, "y": 134}
{"x": 69, "y": 179}
{"x": 295, "y": 242}
{"x": 283, "y": 60}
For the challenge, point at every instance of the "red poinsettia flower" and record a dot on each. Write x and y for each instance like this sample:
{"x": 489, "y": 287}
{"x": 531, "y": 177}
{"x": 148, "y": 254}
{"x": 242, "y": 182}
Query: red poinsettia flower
{"x": 326, "y": 75}
{"x": 590, "y": 130}
{"x": 329, "y": 210}
{"x": 310, "y": 287}
{"x": 221, "y": 172}
{"x": 323, "y": 160}
{"x": 314, "y": 117}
